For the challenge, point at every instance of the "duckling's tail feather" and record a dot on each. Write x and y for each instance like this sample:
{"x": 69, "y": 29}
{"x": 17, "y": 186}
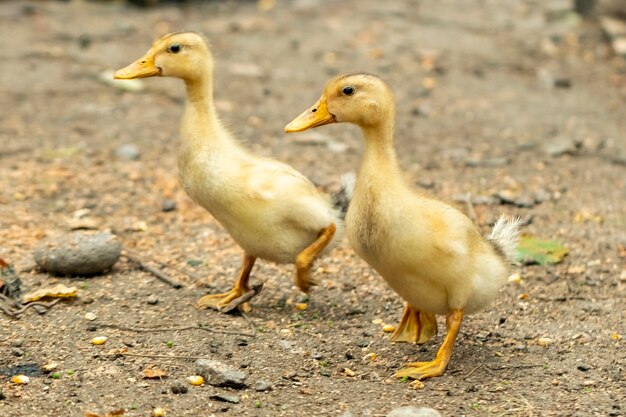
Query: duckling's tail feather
{"x": 341, "y": 199}
{"x": 504, "y": 236}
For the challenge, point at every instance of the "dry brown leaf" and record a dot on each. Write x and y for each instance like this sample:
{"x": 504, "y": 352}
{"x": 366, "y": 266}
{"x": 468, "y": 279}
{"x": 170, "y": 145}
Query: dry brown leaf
{"x": 57, "y": 291}
{"x": 150, "y": 373}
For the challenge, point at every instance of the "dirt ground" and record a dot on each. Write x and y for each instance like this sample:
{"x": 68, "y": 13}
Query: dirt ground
{"x": 486, "y": 90}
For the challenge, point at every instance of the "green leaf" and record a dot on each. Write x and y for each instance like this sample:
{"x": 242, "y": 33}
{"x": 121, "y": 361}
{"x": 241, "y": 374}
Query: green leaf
{"x": 532, "y": 250}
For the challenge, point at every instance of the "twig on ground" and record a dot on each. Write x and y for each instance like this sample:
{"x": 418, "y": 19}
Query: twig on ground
{"x": 148, "y": 355}
{"x": 9, "y": 306}
{"x": 172, "y": 329}
{"x": 165, "y": 265}
{"x": 160, "y": 275}
{"x": 250, "y": 322}
{"x": 473, "y": 370}
{"x": 523, "y": 366}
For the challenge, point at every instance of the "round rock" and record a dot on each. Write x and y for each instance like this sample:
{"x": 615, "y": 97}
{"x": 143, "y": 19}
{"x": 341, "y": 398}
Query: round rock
{"x": 80, "y": 253}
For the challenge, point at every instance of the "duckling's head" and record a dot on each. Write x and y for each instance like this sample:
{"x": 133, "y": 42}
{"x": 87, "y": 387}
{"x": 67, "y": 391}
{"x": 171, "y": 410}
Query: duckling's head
{"x": 361, "y": 99}
{"x": 183, "y": 55}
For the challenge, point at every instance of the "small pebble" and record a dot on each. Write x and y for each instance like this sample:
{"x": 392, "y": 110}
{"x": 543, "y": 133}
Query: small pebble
{"x": 50, "y": 366}
{"x": 168, "y": 205}
{"x": 20, "y": 379}
{"x": 363, "y": 343}
{"x": 262, "y": 386}
{"x": 349, "y": 372}
{"x": 544, "y": 341}
{"x": 325, "y": 372}
{"x": 92, "y": 328}
{"x": 388, "y": 328}
{"x": 220, "y": 374}
{"x": 226, "y": 398}
{"x": 153, "y": 299}
{"x": 583, "y": 367}
{"x": 90, "y": 316}
{"x": 317, "y": 355}
{"x": 195, "y": 380}
{"x": 411, "y": 411}
{"x": 17, "y": 342}
{"x": 17, "y": 351}
{"x": 99, "y": 340}
{"x": 128, "y": 151}
{"x": 178, "y": 388}
{"x": 158, "y": 412}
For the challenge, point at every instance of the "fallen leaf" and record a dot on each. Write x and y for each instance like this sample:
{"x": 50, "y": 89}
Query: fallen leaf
{"x": 57, "y": 291}
{"x": 150, "y": 373}
{"x": 532, "y": 250}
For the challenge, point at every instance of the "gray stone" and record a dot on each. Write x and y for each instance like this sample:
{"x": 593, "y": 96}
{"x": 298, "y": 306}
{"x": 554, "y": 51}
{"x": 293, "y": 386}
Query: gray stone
{"x": 562, "y": 146}
{"x": 17, "y": 351}
{"x": 17, "y": 342}
{"x": 178, "y": 387}
{"x": 411, "y": 411}
{"x": 219, "y": 374}
{"x": 226, "y": 398}
{"x": 153, "y": 299}
{"x": 128, "y": 151}
{"x": 168, "y": 205}
{"x": 262, "y": 385}
{"x": 80, "y": 253}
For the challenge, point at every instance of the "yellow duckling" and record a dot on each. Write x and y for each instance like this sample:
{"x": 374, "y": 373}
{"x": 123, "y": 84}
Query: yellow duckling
{"x": 427, "y": 251}
{"x": 271, "y": 210}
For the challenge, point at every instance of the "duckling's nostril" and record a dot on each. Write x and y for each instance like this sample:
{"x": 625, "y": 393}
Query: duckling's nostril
{"x": 142, "y": 62}
{"x": 313, "y": 111}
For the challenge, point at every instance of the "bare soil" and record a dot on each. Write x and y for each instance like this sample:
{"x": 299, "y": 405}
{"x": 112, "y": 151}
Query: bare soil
{"x": 482, "y": 87}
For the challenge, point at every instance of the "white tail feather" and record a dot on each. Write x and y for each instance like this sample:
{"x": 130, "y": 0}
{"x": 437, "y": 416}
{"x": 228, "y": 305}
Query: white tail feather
{"x": 341, "y": 199}
{"x": 504, "y": 235}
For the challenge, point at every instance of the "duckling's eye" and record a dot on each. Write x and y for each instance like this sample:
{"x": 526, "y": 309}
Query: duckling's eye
{"x": 175, "y": 48}
{"x": 348, "y": 91}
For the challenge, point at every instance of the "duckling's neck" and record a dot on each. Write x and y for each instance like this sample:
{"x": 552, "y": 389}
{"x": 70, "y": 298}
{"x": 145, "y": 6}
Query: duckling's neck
{"x": 201, "y": 129}
{"x": 380, "y": 155}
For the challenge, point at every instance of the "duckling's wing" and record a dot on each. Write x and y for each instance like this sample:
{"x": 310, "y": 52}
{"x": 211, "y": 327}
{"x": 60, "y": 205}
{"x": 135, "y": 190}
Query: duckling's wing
{"x": 291, "y": 195}
{"x": 273, "y": 181}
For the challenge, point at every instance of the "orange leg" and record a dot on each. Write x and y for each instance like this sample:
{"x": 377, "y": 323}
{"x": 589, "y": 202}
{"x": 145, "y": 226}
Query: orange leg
{"x": 415, "y": 326}
{"x": 219, "y": 301}
{"x": 305, "y": 259}
{"x": 423, "y": 370}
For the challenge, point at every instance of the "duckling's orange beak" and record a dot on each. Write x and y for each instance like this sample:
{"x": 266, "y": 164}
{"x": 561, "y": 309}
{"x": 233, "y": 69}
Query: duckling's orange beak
{"x": 142, "y": 68}
{"x": 316, "y": 115}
